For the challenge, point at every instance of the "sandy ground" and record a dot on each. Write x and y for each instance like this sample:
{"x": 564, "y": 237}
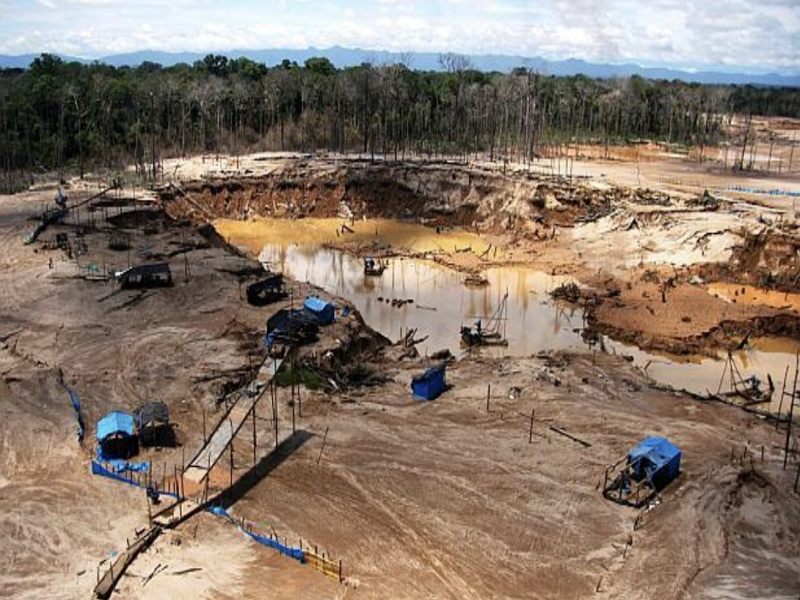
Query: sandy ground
{"x": 445, "y": 500}
{"x": 116, "y": 349}
{"x": 435, "y": 500}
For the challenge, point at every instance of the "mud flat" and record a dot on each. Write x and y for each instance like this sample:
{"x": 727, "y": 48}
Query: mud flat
{"x": 457, "y": 498}
{"x": 186, "y": 345}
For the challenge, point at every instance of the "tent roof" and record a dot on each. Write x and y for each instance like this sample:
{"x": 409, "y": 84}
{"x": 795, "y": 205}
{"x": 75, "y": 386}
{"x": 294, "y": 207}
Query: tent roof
{"x": 658, "y": 450}
{"x": 316, "y": 304}
{"x": 114, "y": 422}
{"x": 152, "y": 412}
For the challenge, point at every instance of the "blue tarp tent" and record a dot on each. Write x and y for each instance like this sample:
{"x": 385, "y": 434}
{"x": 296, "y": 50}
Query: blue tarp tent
{"x": 430, "y": 384}
{"x": 656, "y": 458}
{"x": 323, "y": 311}
{"x": 115, "y": 433}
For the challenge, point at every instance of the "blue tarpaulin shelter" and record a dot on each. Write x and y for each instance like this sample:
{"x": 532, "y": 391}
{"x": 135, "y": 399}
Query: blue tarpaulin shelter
{"x": 115, "y": 433}
{"x": 322, "y": 310}
{"x": 430, "y": 384}
{"x": 657, "y": 459}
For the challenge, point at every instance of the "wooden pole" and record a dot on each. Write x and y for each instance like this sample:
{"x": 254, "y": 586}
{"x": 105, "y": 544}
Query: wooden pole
{"x": 324, "y": 438}
{"x": 724, "y": 371}
{"x": 488, "y": 396}
{"x": 275, "y": 409}
{"x": 231, "y": 455}
{"x": 183, "y": 469}
{"x": 791, "y": 411}
{"x": 299, "y": 403}
{"x": 783, "y": 393}
{"x": 797, "y": 477}
{"x": 255, "y": 439}
{"x": 530, "y": 433}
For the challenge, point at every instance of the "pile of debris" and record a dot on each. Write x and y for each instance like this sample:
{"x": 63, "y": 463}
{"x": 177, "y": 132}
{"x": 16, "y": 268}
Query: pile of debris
{"x": 569, "y": 292}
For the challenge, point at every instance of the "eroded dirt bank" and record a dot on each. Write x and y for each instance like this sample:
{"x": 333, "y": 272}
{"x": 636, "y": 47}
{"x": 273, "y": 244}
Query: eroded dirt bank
{"x": 187, "y": 345}
{"x": 645, "y": 259}
{"x": 441, "y": 500}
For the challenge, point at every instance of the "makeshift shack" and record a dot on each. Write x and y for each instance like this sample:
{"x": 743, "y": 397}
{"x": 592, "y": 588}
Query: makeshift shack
{"x": 289, "y": 326}
{"x": 646, "y": 470}
{"x": 266, "y": 291}
{"x": 152, "y": 424}
{"x": 430, "y": 384}
{"x": 116, "y": 437}
{"x": 145, "y": 276}
{"x": 323, "y": 311}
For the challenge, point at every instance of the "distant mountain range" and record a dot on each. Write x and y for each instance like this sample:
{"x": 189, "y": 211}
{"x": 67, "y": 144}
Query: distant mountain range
{"x": 429, "y": 61}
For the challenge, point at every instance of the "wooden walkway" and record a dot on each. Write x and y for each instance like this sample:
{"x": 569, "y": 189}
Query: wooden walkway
{"x": 117, "y": 568}
{"x": 230, "y": 424}
{"x": 197, "y": 470}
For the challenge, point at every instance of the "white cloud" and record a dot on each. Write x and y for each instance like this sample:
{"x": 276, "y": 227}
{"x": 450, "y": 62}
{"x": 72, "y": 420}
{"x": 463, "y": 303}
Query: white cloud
{"x": 761, "y": 35}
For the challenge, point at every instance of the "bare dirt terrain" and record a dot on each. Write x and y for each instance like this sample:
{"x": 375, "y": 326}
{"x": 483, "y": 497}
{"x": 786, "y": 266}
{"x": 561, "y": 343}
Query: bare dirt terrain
{"x": 606, "y": 234}
{"x": 115, "y": 349}
{"x": 444, "y": 499}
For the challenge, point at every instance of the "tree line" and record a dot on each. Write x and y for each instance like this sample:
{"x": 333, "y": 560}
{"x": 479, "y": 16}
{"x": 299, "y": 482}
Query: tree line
{"x": 59, "y": 116}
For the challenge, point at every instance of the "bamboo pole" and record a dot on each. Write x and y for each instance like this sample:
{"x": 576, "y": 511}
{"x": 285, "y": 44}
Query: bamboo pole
{"x": 791, "y": 411}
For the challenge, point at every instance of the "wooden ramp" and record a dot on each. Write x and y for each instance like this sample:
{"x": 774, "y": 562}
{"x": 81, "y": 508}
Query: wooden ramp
{"x": 177, "y": 513}
{"x": 117, "y": 568}
{"x": 222, "y": 436}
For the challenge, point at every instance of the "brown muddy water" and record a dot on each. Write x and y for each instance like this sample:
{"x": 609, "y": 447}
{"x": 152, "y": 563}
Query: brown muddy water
{"x": 442, "y": 303}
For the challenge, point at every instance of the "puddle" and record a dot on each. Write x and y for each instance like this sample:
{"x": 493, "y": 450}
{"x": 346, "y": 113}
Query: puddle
{"x": 442, "y": 303}
{"x": 751, "y": 296}
{"x": 701, "y": 374}
{"x": 401, "y": 234}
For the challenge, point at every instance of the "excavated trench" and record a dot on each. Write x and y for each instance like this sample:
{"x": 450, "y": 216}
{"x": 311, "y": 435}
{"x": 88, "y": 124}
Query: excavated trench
{"x": 299, "y": 219}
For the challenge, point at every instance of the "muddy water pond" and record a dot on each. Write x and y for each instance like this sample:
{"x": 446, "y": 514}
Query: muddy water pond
{"x": 442, "y": 303}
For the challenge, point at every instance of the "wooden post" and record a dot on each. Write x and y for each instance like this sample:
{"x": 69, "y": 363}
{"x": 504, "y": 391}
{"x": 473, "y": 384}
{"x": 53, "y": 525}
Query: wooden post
{"x": 791, "y": 411}
{"x": 293, "y": 426}
{"x": 231, "y": 455}
{"x": 324, "y": 438}
{"x": 783, "y": 393}
{"x": 797, "y": 477}
{"x": 275, "y": 410}
{"x": 488, "y": 396}
{"x": 299, "y": 403}
{"x": 530, "y": 433}
{"x": 255, "y": 439}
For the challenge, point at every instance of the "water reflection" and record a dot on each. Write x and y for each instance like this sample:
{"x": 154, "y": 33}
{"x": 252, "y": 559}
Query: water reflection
{"x": 535, "y": 323}
{"x": 441, "y": 303}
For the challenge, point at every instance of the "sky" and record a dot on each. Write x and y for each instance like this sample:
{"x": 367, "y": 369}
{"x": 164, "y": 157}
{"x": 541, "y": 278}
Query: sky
{"x": 753, "y": 36}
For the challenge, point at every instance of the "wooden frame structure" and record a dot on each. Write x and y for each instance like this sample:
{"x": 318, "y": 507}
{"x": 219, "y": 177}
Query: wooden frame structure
{"x": 620, "y": 483}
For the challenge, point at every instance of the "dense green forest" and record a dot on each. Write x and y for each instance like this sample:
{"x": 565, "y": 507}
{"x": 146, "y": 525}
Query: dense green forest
{"x": 58, "y": 116}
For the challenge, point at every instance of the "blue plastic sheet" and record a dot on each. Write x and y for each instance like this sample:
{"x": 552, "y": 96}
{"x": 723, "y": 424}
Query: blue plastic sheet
{"x": 762, "y": 191}
{"x": 76, "y": 406}
{"x": 289, "y": 551}
{"x": 115, "y": 422}
{"x": 103, "y": 471}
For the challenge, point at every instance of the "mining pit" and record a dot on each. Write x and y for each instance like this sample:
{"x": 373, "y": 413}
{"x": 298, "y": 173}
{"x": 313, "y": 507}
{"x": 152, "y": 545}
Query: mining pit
{"x": 619, "y": 306}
